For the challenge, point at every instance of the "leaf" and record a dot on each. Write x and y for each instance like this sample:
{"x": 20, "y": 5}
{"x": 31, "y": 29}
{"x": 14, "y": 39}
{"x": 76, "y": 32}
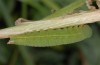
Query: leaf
{"x": 68, "y": 9}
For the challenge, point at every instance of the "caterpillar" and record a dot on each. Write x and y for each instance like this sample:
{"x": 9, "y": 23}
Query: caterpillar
{"x": 53, "y": 37}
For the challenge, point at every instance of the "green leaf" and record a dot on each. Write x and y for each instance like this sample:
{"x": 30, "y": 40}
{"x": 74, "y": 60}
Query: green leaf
{"x": 68, "y": 9}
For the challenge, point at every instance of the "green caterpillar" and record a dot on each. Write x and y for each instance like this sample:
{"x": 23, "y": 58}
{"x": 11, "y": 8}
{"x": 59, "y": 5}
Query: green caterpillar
{"x": 53, "y": 37}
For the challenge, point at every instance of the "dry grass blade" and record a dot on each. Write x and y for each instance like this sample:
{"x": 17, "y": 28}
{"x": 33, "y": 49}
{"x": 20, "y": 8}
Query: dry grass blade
{"x": 69, "y": 20}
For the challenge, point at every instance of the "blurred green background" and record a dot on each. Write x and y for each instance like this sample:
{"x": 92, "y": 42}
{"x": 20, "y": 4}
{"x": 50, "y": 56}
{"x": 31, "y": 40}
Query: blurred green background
{"x": 85, "y": 52}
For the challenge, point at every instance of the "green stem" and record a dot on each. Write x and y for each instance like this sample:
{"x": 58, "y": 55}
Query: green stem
{"x": 69, "y": 9}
